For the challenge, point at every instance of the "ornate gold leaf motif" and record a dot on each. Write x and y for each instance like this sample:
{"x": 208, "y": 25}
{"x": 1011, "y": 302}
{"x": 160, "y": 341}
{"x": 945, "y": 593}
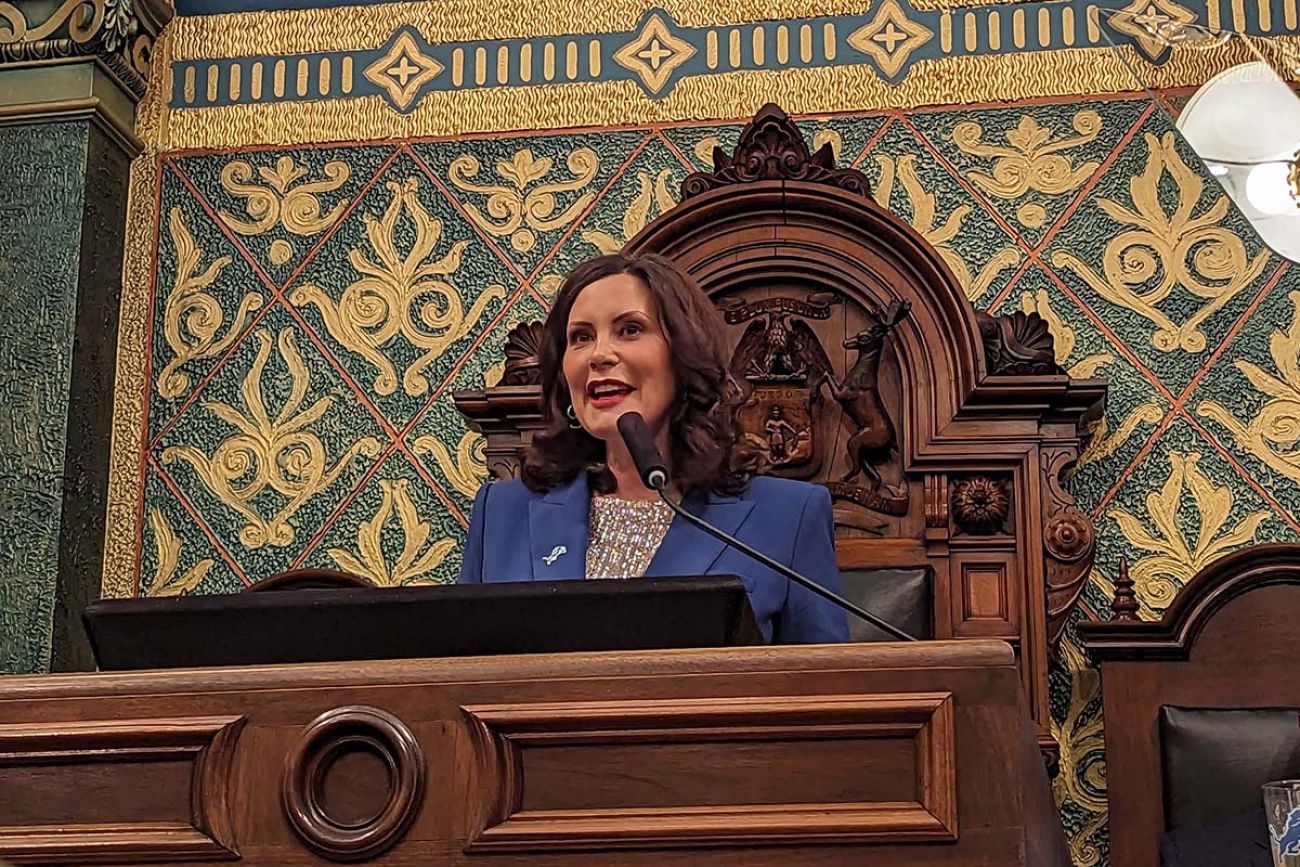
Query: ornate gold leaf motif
{"x": 518, "y": 211}
{"x": 1080, "y": 779}
{"x": 298, "y": 208}
{"x": 1104, "y": 444}
{"x": 418, "y": 557}
{"x": 1175, "y": 556}
{"x": 1273, "y": 432}
{"x": 890, "y": 37}
{"x": 654, "y": 198}
{"x": 924, "y": 214}
{"x": 278, "y": 453}
{"x": 84, "y": 18}
{"x": 165, "y": 580}
{"x": 1033, "y": 161}
{"x": 403, "y": 70}
{"x": 191, "y": 317}
{"x": 1152, "y": 23}
{"x": 654, "y": 54}
{"x": 1032, "y": 215}
{"x": 400, "y": 295}
{"x": 550, "y": 284}
{"x": 467, "y": 469}
{"x": 1063, "y": 337}
{"x": 1164, "y": 250}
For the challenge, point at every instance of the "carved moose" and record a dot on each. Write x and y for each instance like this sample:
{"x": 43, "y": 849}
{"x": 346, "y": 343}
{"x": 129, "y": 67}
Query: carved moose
{"x": 859, "y": 395}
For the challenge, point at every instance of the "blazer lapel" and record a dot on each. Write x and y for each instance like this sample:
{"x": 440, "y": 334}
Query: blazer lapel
{"x": 557, "y": 532}
{"x": 688, "y": 550}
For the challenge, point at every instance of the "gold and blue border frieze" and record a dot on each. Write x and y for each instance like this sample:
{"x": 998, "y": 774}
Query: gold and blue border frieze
{"x": 658, "y": 53}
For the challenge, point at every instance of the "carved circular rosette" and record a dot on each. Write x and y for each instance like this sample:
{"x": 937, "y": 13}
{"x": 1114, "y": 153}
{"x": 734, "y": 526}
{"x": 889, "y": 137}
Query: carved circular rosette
{"x": 980, "y": 505}
{"x": 332, "y": 734}
{"x": 1068, "y": 536}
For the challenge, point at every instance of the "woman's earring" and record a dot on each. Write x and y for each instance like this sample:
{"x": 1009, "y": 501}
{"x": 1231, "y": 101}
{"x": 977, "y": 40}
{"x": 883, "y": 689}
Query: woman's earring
{"x": 573, "y": 418}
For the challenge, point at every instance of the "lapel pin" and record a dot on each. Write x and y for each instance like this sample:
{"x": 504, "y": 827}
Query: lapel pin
{"x": 556, "y": 552}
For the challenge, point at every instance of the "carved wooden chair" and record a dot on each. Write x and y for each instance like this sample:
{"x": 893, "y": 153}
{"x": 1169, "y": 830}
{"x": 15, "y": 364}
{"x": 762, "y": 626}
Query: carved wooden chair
{"x": 1202, "y": 706}
{"x": 941, "y": 432}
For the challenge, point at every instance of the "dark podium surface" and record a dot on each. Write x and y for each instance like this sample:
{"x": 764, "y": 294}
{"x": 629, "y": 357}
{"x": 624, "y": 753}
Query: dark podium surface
{"x": 337, "y": 625}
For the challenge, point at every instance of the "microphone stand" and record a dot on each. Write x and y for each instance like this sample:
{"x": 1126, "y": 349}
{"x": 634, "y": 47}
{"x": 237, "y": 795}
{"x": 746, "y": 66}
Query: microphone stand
{"x": 767, "y": 561}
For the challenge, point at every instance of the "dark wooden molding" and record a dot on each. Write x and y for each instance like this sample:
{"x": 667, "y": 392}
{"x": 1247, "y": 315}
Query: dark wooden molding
{"x": 358, "y": 728}
{"x": 1124, "y": 607}
{"x": 761, "y": 756}
{"x": 980, "y": 505}
{"x": 1173, "y": 635}
{"x": 523, "y": 355}
{"x": 1018, "y": 344}
{"x": 504, "y": 734}
{"x": 207, "y": 743}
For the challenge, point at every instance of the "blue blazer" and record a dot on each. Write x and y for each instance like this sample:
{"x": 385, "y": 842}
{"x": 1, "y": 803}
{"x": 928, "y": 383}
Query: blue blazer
{"x": 516, "y": 533}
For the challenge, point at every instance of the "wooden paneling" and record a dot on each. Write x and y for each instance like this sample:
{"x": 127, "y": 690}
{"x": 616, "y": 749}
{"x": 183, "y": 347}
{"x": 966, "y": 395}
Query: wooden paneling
{"x": 987, "y": 592}
{"x": 117, "y": 790}
{"x": 885, "y": 754}
{"x": 549, "y": 771}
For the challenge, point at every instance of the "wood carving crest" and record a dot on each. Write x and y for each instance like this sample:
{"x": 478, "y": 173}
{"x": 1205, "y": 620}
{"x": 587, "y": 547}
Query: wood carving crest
{"x": 789, "y": 372}
{"x": 1017, "y": 344}
{"x": 771, "y": 148}
{"x": 1069, "y": 541}
{"x": 524, "y": 354}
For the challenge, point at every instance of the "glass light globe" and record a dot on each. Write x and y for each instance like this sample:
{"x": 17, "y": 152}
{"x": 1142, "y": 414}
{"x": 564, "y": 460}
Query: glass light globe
{"x": 1268, "y": 189}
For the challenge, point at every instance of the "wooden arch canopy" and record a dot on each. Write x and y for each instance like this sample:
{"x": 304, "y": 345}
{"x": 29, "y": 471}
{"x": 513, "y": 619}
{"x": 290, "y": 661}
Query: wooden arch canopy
{"x": 941, "y": 432}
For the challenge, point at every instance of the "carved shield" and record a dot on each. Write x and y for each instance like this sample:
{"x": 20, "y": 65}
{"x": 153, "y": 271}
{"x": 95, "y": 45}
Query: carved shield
{"x": 780, "y": 423}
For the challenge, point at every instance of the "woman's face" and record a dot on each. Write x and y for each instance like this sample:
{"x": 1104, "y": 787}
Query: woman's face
{"x": 617, "y": 358}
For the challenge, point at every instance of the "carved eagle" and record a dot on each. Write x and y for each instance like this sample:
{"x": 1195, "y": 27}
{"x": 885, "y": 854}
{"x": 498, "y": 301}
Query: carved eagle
{"x": 780, "y": 348}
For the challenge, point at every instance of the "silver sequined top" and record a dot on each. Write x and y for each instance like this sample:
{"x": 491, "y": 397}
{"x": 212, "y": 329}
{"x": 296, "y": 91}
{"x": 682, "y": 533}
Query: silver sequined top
{"x": 624, "y": 536}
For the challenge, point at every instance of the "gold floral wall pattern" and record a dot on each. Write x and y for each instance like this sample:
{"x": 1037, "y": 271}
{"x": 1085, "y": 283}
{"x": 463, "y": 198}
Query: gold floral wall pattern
{"x": 407, "y": 276}
{"x": 282, "y": 197}
{"x": 400, "y": 293}
{"x": 1169, "y": 244}
{"x": 274, "y": 449}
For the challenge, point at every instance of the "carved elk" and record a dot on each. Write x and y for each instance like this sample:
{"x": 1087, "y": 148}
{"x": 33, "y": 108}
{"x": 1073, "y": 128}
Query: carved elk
{"x": 859, "y": 395}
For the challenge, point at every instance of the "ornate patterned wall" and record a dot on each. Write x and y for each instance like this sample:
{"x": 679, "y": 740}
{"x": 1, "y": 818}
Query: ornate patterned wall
{"x": 331, "y": 236}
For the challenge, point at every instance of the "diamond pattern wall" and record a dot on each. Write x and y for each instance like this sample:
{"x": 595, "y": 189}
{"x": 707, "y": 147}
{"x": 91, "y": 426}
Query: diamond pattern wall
{"x": 313, "y": 309}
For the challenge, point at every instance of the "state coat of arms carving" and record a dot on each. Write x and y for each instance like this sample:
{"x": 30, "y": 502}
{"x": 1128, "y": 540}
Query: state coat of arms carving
{"x": 804, "y": 420}
{"x": 783, "y": 361}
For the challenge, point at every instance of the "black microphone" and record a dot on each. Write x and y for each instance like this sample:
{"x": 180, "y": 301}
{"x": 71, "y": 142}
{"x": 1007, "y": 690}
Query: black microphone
{"x": 654, "y": 475}
{"x": 649, "y": 463}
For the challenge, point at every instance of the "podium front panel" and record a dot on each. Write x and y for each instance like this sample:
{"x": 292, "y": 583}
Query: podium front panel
{"x": 844, "y": 755}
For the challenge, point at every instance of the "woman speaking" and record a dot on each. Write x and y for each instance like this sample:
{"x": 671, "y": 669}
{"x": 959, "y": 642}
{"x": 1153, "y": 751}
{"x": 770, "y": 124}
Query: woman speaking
{"x": 635, "y": 334}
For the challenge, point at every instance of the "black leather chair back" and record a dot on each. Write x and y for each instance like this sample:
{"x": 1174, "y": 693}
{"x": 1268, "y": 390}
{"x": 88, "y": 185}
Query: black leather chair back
{"x": 901, "y": 597}
{"x": 1215, "y": 761}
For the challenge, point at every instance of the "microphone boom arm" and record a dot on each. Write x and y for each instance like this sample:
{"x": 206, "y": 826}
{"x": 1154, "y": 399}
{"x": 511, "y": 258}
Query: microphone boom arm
{"x": 784, "y": 570}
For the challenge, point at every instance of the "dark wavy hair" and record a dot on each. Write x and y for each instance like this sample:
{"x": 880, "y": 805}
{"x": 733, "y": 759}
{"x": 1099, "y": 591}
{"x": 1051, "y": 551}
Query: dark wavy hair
{"x": 707, "y": 453}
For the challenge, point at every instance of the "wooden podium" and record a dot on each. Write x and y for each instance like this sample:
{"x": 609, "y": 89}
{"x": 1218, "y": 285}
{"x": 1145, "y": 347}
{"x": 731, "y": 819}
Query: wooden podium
{"x": 881, "y": 754}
